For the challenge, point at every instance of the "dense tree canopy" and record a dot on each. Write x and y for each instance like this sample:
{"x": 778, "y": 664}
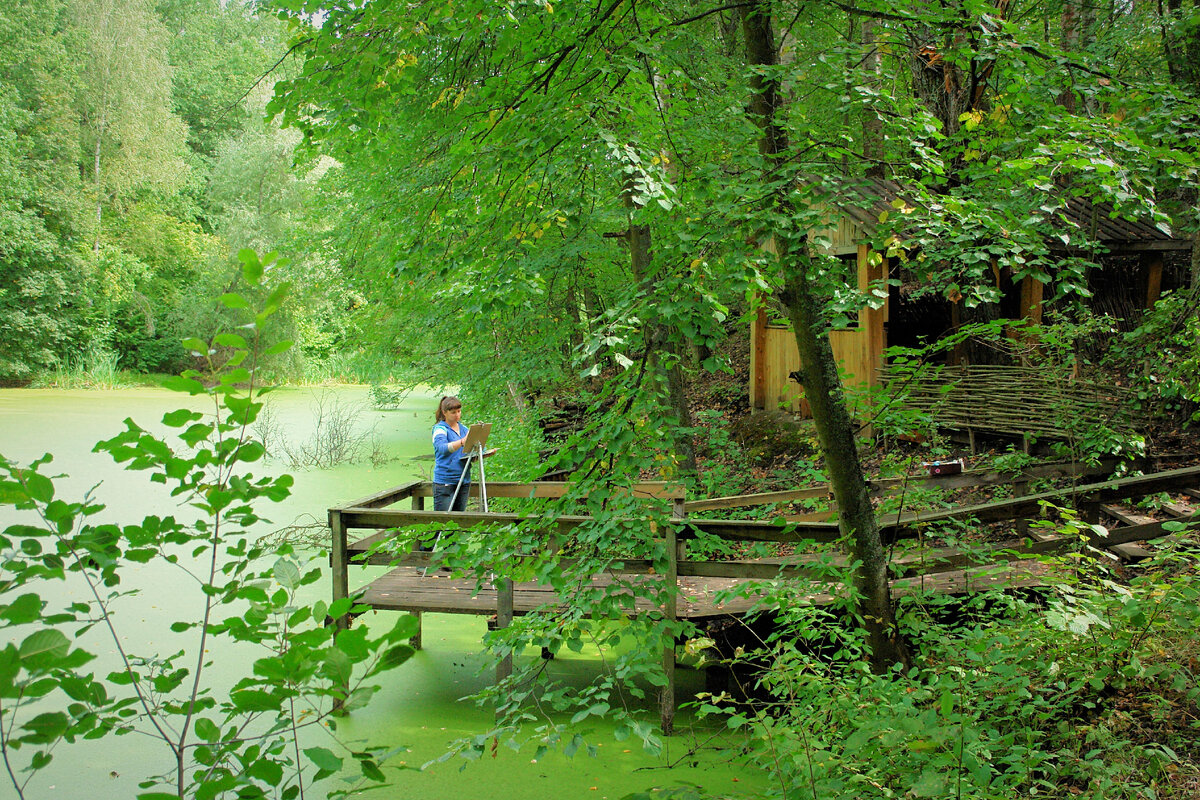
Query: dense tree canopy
{"x": 606, "y": 179}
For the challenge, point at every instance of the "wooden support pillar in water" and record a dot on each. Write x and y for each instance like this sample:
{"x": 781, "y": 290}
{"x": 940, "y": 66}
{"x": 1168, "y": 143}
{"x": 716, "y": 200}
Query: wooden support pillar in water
{"x": 418, "y": 504}
{"x": 504, "y": 618}
{"x": 341, "y": 580}
{"x": 671, "y": 614}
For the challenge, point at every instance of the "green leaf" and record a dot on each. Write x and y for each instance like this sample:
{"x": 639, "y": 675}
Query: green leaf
{"x": 178, "y": 383}
{"x": 287, "y": 573}
{"x": 40, "y": 487}
{"x": 395, "y": 656}
{"x": 252, "y": 268}
{"x": 323, "y": 758}
{"x": 268, "y": 771}
{"x": 26, "y": 608}
{"x": 280, "y": 347}
{"x": 46, "y": 728}
{"x": 180, "y": 417}
{"x": 231, "y": 300}
{"x": 229, "y": 340}
{"x": 206, "y": 729}
{"x": 255, "y": 700}
{"x": 371, "y": 771}
{"x": 275, "y": 300}
{"x": 43, "y": 648}
{"x": 251, "y": 451}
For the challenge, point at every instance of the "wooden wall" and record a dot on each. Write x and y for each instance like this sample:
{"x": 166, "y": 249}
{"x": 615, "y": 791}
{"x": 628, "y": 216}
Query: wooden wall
{"x": 773, "y": 353}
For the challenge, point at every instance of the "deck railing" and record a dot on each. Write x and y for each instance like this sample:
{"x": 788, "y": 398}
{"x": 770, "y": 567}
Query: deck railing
{"x": 377, "y": 513}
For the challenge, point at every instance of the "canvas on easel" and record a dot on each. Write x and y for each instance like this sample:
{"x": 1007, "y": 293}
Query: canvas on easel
{"x": 477, "y": 436}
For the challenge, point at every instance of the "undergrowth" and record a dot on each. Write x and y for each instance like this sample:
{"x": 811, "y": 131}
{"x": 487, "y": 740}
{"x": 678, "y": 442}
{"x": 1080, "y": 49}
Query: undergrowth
{"x": 1087, "y": 689}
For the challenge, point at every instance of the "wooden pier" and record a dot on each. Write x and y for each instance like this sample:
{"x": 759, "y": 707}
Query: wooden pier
{"x": 415, "y": 584}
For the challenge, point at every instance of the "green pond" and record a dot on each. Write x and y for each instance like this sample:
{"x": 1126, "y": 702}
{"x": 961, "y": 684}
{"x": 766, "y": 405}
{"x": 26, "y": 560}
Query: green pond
{"x": 420, "y": 705}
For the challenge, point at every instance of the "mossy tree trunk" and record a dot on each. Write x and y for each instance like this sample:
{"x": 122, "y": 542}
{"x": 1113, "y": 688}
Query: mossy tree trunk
{"x": 822, "y": 386}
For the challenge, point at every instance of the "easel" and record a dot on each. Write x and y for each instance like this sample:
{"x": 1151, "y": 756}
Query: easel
{"x": 477, "y": 453}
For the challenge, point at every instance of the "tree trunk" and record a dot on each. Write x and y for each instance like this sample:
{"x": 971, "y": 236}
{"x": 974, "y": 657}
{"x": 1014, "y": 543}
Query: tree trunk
{"x": 99, "y": 197}
{"x": 872, "y": 125}
{"x": 656, "y": 342}
{"x": 822, "y": 386}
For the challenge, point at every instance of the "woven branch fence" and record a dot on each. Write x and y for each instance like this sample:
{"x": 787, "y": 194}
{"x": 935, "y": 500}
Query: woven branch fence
{"x": 1010, "y": 400}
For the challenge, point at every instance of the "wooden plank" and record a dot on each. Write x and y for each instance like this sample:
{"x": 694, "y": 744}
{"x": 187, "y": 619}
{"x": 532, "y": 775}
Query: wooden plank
{"x": 1139, "y": 533}
{"x": 758, "y": 499}
{"x": 870, "y": 320}
{"x": 404, "y": 589}
{"x": 658, "y": 490}
{"x": 387, "y": 497}
{"x": 968, "y": 478}
{"x": 1177, "y": 511}
{"x": 1125, "y": 517}
{"x": 732, "y": 530}
{"x": 1103, "y": 492}
{"x": 1031, "y": 299}
{"x": 338, "y": 563}
{"x": 1152, "y": 266}
{"x": 505, "y": 601}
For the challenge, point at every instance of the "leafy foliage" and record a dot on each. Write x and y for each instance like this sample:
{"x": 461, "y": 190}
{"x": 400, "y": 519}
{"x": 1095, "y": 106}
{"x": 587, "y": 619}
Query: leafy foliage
{"x": 243, "y": 741}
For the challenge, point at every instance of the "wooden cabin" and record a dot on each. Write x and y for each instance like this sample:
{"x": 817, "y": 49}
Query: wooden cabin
{"x": 860, "y": 348}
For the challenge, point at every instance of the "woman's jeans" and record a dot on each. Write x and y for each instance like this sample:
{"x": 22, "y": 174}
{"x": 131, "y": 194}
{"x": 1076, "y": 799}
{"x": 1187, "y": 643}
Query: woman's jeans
{"x": 443, "y": 492}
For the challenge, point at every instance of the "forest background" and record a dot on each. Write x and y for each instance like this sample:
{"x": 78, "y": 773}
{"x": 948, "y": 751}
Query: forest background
{"x": 517, "y": 198}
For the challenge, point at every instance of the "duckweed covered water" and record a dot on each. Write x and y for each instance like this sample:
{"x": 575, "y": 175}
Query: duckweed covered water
{"x": 420, "y": 706}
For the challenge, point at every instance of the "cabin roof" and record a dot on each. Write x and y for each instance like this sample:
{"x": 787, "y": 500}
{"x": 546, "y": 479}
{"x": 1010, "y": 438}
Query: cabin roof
{"x": 864, "y": 200}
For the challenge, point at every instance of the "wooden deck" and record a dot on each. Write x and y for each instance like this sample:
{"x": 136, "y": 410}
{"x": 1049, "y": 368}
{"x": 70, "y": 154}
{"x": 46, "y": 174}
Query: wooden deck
{"x": 705, "y": 588}
{"x": 408, "y": 589}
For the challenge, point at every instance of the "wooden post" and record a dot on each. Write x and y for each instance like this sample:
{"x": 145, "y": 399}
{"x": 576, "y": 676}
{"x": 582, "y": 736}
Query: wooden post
{"x": 341, "y": 583}
{"x": 1152, "y": 266}
{"x": 1032, "y": 292}
{"x": 870, "y": 320}
{"x": 758, "y": 361}
{"x": 504, "y": 618}
{"x": 1089, "y": 509}
{"x": 418, "y": 504}
{"x": 870, "y": 325}
{"x": 671, "y": 615}
{"x": 338, "y": 565}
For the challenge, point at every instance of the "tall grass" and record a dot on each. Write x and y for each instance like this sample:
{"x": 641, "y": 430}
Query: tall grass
{"x": 96, "y": 368}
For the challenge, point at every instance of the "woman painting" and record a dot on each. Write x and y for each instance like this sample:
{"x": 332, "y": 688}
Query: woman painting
{"x": 449, "y": 435}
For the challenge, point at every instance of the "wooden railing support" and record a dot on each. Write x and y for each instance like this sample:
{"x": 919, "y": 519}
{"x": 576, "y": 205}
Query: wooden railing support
{"x": 418, "y": 504}
{"x": 504, "y": 618}
{"x": 675, "y": 548}
{"x": 341, "y": 582}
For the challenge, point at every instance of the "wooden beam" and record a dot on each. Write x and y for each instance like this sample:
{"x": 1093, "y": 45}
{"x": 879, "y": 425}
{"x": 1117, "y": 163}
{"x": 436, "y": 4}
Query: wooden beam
{"x": 671, "y": 613}
{"x": 1080, "y": 496}
{"x": 870, "y": 320}
{"x": 761, "y": 498}
{"x": 758, "y": 359}
{"x": 655, "y": 490}
{"x": 1031, "y": 299}
{"x": 504, "y": 618}
{"x": 341, "y": 586}
{"x": 387, "y": 497}
{"x": 1139, "y": 533}
{"x": 1152, "y": 267}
